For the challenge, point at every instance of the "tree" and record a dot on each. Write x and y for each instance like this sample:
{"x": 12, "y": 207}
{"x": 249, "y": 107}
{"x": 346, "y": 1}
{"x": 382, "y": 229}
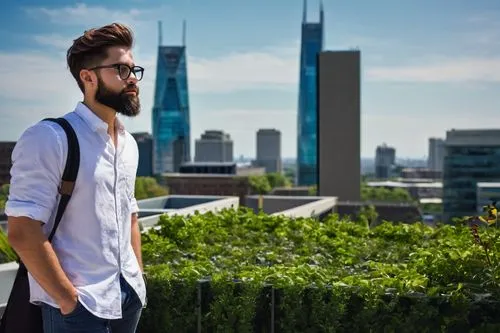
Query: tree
{"x": 277, "y": 179}
{"x": 370, "y": 193}
{"x": 259, "y": 184}
{"x": 148, "y": 187}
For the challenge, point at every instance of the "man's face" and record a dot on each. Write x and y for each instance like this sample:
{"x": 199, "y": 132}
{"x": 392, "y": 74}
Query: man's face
{"x": 114, "y": 89}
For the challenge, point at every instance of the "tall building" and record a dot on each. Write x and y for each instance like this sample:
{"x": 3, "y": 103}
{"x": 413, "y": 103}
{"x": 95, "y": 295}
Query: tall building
{"x": 171, "y": 124}
{"x": 339, "y": 125}
{"x": 385, "y": 160}
{"x": 145, "y": 144}
{"x": 214, "y": 146}
{"x": 436, "y": 154}
{"x": 269, "y": 150}
{"x": 472, "y": 156}
{"x": 311, "y": 45}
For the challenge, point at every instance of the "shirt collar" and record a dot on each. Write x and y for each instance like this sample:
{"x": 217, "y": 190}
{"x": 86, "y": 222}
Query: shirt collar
{"x": 93, "y": 121}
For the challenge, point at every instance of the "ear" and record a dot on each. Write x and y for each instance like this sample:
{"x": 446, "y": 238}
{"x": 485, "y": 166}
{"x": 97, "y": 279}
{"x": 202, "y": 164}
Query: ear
{"x": 87, "y": 77}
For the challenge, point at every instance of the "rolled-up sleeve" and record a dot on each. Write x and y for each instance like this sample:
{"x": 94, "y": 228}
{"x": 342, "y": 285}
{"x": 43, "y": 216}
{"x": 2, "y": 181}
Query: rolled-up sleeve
{"x": 35, "y": 174}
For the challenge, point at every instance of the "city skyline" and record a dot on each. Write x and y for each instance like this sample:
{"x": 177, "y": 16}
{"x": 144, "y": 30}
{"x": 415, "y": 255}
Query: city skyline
{"x": 426, "y": 67}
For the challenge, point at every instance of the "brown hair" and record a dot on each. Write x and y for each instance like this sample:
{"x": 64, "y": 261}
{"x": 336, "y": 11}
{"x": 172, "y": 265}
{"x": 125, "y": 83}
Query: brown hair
{"x": 92, "y": 47}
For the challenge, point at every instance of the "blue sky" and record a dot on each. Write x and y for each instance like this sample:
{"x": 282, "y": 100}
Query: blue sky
{"x": 427, "y": 65}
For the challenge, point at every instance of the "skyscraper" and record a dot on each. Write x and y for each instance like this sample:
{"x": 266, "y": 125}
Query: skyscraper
{"x": 339, "y": 124}
{"x": 268, "y": 150}
{"x": 385, "y": 160}
{"x": 214, "y": 146}
{"x": 311, "y": 45}
{"x": 436, "y": 154}
{"x": 170, "y": 116}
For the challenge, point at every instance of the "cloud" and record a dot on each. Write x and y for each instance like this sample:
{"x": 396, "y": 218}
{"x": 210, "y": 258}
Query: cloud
{"x": 450, "y": 70}
{"x": 83, "y": 14}
{"x": 241, "y": 71}
{"x": 54, "y": 40}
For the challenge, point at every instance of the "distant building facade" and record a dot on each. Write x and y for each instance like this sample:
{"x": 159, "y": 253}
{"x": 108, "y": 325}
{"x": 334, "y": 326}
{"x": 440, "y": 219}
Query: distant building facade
{"x": 145, "y": 144}
{"x": 436, "y": 154}
{"x": 307, "y": 136}
{"x": 385, "y": 161}
{"x": 472, "y": 157}
{"x": 214, "y": 146}
{"x": 339, "y": 124}
{"x": 269, "y": 150}
{"x": 170, "y": 116}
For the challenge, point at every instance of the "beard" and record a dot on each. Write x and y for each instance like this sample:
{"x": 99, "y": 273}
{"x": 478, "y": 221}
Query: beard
{"x": 123, "y": 103}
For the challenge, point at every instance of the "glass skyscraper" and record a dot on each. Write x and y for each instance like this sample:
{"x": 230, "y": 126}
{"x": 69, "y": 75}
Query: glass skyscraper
{"x": 311, "y": 45}
{"x": 170, "y": 116}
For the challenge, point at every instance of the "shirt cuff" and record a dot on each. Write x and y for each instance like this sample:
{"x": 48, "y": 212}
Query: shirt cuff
{"x": 27, "y": 209}
{"x": 134, "y": 206}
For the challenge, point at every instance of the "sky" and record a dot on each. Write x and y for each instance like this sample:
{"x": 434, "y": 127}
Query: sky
{"x": 427, "y": 66}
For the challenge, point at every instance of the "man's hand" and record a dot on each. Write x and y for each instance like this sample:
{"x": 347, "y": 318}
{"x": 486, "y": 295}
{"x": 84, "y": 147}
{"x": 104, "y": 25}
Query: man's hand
{"x": 69, "y": 305}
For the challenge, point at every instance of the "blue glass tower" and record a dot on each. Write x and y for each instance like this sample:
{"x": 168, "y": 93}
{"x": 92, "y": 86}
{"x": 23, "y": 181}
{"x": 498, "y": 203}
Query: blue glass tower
{"x": 170, "y": 116}
{"x": 311, "y": 45}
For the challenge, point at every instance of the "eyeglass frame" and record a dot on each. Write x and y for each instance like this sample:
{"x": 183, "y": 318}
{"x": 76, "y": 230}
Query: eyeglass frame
{"x": 117, "y": 67}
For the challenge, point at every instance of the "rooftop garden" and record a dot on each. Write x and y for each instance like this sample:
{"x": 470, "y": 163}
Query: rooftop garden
{"x": 236, "y": 271}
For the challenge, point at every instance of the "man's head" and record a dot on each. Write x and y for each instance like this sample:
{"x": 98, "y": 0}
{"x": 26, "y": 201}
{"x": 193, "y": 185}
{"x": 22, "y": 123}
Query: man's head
{"x": 102, "y": 64}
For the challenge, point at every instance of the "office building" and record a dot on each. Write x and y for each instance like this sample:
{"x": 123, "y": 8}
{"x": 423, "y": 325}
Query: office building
{"x": 269, "y": 150}
{"x": 170, "y": 116}
{"x": 214, "y": 146}
{"x": 339, "y": 124}
{"x": 385, "y": 160}
{"x": 145, "y": 144}
{"x": 311, "y": 45}
{"x": 471, "y": 157}
{"x": 436, "y": 154}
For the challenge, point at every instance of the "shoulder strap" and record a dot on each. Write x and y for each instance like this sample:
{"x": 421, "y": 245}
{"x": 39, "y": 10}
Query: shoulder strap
{"x": 70, "y": 171}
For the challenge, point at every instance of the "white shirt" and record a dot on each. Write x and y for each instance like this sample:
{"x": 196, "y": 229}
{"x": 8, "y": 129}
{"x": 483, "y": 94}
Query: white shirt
{"x": 93, "y": 239}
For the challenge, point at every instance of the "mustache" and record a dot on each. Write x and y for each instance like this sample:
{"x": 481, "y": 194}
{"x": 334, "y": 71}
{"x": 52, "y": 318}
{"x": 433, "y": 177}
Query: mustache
{"x": 131, "y": 87}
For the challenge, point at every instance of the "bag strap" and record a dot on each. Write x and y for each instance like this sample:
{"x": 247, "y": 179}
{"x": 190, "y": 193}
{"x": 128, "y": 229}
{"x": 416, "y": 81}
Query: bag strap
{"x": 70, "y": 171}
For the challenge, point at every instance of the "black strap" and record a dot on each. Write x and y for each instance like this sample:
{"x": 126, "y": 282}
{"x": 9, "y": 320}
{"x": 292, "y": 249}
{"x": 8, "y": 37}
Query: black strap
{"x": 70, "y": 171}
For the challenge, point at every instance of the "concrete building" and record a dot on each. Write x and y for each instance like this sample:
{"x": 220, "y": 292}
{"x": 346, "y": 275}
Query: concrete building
{"x": 269, "y": 150}
{"x": 385, "y": 160}
{"x": 436, "y": 154}
{"x": 339, "y": 125}
{"x": 145, "y": 144}
{"x": 214, "y": 146}
{"x": 6, "y": 149}
{"x": 472, "y": 156}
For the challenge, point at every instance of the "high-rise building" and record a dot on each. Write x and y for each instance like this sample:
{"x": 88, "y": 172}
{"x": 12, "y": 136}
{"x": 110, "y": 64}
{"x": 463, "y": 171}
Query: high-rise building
{"x": 171, "y": 123}
{"x": 385, "y": 160}
{"x": 214, "y": 146}
{"x": 339, "y": 124}
{"x": 311, "y": 45}
{"x": 268, "y": 150}
{"x": 436, "y": 154}
{"x": 472, "y": 156}
{"x": 145, "y": 145}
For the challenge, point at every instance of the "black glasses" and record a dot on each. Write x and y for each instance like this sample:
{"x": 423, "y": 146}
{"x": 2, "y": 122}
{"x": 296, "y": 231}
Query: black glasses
{"x": 124, "y": 70}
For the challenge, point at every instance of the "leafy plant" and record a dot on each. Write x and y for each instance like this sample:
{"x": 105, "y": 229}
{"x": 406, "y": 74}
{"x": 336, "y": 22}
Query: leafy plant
{"x": 331, "y": 275}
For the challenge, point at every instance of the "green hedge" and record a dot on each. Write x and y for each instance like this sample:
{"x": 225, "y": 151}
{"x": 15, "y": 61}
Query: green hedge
{"x": 241, "y": 272}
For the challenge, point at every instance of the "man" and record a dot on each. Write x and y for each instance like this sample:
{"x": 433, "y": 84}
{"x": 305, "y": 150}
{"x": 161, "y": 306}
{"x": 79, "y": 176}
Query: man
{"x": 89, "y": 279}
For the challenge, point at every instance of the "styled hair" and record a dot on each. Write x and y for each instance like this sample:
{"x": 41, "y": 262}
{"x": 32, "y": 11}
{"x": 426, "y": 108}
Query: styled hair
{"x": 91, "y": 48}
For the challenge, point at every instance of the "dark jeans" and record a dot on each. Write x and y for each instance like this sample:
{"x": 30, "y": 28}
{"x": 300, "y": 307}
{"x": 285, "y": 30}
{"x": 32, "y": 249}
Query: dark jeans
{"x": 82, "y": 321}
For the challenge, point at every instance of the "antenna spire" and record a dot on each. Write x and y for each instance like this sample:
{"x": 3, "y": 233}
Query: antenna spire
{"x": 160, "y": 37}
{"x": 321, "y": 12}
{"x": 304, "y": 12}
{"x": 184, "y": 33}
